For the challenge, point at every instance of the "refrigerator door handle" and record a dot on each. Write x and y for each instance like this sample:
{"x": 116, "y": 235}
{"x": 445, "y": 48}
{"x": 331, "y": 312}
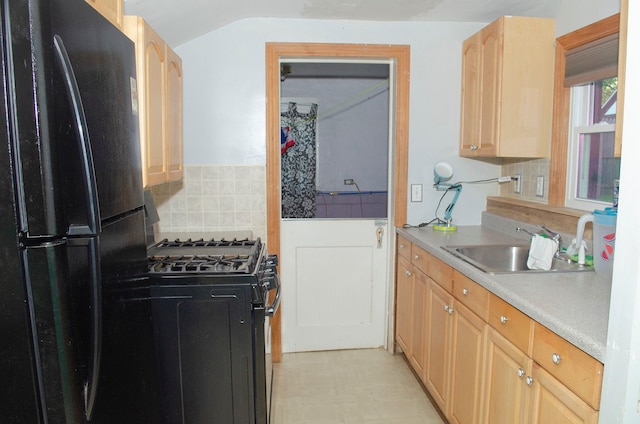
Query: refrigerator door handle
{"x": 96, "y": 325}
{"x": 93, "y": 226}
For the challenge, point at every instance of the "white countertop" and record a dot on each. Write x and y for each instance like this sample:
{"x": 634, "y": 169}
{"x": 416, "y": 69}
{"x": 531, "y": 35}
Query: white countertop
{"x": 574, "y": 305}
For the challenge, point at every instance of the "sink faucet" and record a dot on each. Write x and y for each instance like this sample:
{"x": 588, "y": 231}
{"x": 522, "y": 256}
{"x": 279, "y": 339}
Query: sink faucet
{"x": 558, "y": 239}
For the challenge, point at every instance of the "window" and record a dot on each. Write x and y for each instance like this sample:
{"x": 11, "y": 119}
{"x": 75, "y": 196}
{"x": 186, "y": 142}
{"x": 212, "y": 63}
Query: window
{"x": 576, "y": 52}
{"x": 592, "y": 167}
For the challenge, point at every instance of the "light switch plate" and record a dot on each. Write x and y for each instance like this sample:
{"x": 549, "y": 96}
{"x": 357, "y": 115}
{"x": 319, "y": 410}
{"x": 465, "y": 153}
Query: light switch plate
{"x": 416, "y": 192}
{"x": 540, "y": 186}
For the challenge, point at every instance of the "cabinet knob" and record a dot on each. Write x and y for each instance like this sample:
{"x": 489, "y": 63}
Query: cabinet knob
{"x": 416, "y": 257}
{"x": 529, "y": 380}
{"x": 556, "y": 358}
{"x": 521, "y": 372}
{"x": 450, "y": 310}
{"x": 409, "y": 274}
{"x": 503, "y": 319}
{"x": 465, "y": 292}
{"x": 401, "y": 246}
{"x": 474, "y": 147}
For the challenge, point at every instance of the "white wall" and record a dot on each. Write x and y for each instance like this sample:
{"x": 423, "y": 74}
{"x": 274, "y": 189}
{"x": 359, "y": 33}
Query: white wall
{"x": 621, "y": 387}
{"x": 352, "y": 129}
{"x": 224, "y": 92}
{"x": 574, "y": 14}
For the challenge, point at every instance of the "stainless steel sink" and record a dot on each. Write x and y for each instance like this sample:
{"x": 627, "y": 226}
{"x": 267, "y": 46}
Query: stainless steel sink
{"x": 505, "y": 259}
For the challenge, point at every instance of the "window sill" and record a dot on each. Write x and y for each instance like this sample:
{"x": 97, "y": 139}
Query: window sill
{"x": 564, "y": 220}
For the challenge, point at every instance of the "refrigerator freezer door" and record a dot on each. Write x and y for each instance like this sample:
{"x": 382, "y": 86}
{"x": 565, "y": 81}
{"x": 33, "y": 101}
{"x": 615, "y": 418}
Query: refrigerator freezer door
{"x": 46, "y": 135}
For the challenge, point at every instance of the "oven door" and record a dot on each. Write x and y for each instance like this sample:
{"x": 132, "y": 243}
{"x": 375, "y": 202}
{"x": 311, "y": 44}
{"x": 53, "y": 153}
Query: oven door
{"x": 264, "y": 365}
{"x": 268, "y": 366}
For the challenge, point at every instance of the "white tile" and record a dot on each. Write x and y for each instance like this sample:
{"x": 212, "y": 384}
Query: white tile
{"x": 349, "y": 386}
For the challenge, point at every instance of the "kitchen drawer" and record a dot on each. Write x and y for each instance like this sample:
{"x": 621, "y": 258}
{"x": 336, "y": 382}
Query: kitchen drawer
{"x": 581, "y": 373}
{"x": 404, "y": 247}
{"x": 511, "y": 323}
{"x": 441, "y": 273}
{"x": 420, "y": 258}
{"x": 471, "y": 294}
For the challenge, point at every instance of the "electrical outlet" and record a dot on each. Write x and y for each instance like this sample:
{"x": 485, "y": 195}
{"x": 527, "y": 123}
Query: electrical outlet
{"x": 517, "y": 183}
{"x": 416, "y": 192}
{"x": 348, "y": 181}
{"x": 540, "y": 186}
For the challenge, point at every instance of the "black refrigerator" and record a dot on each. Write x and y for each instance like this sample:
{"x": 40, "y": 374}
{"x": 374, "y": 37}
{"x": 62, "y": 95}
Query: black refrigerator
{"x": 71, "y": 219}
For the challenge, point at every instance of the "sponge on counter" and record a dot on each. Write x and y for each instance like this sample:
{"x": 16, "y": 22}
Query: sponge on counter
{"x": 588, "y": 259}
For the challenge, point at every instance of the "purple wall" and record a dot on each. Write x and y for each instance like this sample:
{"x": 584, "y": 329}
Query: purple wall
{"x": 347, "y": 205}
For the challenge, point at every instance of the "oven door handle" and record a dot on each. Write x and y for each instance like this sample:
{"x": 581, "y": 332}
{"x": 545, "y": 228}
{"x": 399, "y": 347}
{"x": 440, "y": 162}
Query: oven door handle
{"x": 271, "y": 310}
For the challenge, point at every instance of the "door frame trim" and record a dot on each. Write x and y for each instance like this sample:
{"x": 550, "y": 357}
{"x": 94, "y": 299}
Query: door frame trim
{"x": 275, "y": 52}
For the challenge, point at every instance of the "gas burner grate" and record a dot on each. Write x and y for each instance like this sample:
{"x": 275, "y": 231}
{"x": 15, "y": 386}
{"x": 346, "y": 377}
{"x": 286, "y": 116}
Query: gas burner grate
{"x": 206, "y": 243}
{"x": 200, "y": 264}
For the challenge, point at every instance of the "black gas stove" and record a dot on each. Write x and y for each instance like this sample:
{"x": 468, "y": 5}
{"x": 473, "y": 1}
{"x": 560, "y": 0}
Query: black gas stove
{"x": 210, "y": 301}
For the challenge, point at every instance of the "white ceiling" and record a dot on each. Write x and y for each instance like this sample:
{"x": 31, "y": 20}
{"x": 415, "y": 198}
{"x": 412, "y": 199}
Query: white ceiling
{"x": 178, "y": 21}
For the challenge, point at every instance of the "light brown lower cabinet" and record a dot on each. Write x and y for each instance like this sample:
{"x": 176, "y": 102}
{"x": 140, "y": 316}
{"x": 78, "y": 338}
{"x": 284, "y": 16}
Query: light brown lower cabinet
{"x": 404, "y": 304}
{"x": 417, "y": 355}
{"x": 553, "y": 402}
{"x": 410, "y": 313}
{"x": 467, "y": 356}
{"x": 482, "y": 360}
{"x": 506, "y": 393}
{"x": 438, "y": 342}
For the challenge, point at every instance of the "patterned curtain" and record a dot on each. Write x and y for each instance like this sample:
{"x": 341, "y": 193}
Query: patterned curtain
{"x": 298, "y": 162}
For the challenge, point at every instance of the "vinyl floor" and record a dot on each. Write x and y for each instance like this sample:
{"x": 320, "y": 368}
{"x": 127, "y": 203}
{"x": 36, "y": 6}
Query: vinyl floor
{"x": 348, "y": 386}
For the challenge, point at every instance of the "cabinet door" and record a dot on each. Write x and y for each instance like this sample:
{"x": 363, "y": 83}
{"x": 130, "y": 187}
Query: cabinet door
{"x": 439, "y": 311}
{"x": 553, "y": 402}
{"x": 467, "y": 350}
{"x": 417, "y": 356}
{"x": 174, "y": 116}
{"x": 470, "y": 103}
{"x": 151, "y": 69}
{"x": 404, "y": 304}
{"x": 506, "y": 393}
{"x": 490, "y": 76}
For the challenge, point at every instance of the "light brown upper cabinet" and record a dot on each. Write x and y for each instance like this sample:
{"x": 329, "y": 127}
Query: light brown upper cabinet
{"x": 159, "y": 72}
{"x": 113, "y": 10}
{"x": 507, "y": 89}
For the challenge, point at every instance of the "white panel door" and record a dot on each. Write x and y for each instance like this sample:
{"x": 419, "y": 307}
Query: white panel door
{"x": 334, "y": 277}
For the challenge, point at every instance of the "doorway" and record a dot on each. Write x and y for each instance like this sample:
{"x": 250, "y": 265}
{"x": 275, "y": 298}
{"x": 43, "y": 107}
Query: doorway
{"x": 278, "y": 52}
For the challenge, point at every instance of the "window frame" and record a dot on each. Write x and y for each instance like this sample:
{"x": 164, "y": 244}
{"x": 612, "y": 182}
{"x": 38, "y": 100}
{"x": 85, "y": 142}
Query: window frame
{"x": 562, "y": 101}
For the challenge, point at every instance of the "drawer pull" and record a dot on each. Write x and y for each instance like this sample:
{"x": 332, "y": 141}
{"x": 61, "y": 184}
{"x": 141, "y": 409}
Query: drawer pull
{"x": 529, "y": 380}
{"x": 401, "y": 246}
{"x": 503, "y": 319}
{"x": 474, "y": 147}
{"x": 465, "y": 292}
{"x": 521, "y": 372}
{"x": 556, "y": 358}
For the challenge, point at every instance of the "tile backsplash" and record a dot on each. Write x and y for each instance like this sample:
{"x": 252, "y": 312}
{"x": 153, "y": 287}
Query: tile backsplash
{"x": 233, "y": 197}
{"x": 214, "y": 198}
{"x": 529, "y": 169}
